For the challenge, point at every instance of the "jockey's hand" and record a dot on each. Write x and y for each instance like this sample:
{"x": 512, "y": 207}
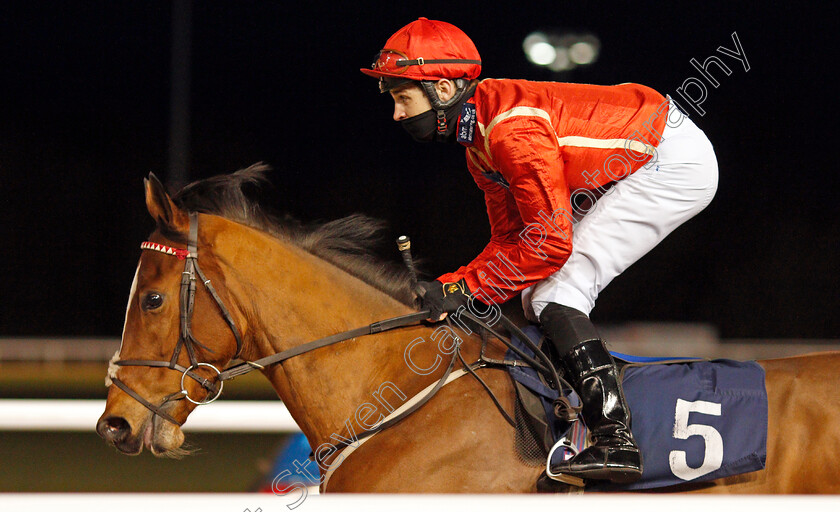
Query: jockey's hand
{"x": 442, "y": 298}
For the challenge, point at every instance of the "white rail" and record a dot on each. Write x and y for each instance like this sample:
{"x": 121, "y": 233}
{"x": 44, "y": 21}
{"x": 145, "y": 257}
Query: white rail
{"x": 81, "y": 415}
{"x": 411, "y": 503}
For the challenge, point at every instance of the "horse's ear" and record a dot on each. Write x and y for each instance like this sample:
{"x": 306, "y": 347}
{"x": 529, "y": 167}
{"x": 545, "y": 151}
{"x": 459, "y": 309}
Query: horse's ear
{"x": 162, "y": 208}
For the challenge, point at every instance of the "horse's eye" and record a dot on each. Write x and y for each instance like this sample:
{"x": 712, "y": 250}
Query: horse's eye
{"x": 152, "y": 301}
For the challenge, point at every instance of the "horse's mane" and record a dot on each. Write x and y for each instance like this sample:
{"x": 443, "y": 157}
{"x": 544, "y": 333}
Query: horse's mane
{"x": 347, "y": 242}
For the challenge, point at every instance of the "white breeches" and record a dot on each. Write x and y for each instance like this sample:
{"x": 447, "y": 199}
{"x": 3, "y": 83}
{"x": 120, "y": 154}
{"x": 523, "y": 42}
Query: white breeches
{"x": 632, "y": 217}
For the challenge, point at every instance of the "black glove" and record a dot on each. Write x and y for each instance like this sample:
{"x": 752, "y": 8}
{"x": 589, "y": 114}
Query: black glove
{"x": 443, "y": 298}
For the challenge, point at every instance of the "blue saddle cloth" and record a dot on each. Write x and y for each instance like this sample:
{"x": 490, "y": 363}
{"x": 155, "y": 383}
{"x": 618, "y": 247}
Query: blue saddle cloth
{"x": 694, "y": 421}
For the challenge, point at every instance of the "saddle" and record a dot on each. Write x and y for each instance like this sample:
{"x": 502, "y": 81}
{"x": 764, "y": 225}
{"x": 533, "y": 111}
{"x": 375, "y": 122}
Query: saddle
{"x": 694, "y": 420}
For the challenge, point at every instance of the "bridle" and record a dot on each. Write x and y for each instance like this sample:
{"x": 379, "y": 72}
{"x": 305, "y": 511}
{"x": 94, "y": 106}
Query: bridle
{"x": 186, "y": 339}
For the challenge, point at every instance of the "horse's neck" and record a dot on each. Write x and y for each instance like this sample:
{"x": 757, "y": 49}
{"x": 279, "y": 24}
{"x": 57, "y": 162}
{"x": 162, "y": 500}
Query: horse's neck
{"x": 292, "y": 297}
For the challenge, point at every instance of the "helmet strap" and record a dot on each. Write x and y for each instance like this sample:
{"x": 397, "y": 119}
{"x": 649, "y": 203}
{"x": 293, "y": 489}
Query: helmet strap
{"x": 429, "y": 88}
{"x": 440, "y": 133}
{"x": 440, "y": 107}
{"x": 440, "y": 123}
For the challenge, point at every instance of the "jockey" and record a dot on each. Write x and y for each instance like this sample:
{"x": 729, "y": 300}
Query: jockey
{"x": 531, "y": 147}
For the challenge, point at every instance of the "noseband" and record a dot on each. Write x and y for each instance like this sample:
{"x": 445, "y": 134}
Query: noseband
{"x": 186, "y": 338}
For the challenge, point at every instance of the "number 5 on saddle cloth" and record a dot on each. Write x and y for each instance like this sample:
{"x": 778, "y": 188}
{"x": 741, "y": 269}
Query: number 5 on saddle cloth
{"x": 694, "y": 420}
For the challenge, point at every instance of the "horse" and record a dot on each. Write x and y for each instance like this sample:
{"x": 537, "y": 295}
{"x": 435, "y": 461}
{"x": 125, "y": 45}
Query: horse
{"x": 267, "y": 285}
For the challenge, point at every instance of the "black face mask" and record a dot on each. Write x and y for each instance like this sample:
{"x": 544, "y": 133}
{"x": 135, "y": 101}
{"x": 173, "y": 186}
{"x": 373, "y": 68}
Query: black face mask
{"x": 421, "y": 127}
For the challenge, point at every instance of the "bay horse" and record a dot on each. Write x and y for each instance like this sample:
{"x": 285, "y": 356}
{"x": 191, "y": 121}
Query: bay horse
{"x": 266, "y": 286}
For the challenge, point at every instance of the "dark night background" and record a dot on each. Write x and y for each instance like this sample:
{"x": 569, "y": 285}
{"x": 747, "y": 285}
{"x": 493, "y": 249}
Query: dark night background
{"x": 85, "y": 116}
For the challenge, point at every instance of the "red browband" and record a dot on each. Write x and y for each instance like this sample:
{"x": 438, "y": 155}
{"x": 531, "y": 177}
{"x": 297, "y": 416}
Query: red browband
{"x": 165, "y": 249}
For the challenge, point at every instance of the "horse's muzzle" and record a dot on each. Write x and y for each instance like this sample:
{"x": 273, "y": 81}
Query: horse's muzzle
{"x": 117, "y": 431}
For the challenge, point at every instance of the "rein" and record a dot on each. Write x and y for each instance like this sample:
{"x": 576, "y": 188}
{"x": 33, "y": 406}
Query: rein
{"x": 374, "y": 328}
{"x": 192, "y": 270}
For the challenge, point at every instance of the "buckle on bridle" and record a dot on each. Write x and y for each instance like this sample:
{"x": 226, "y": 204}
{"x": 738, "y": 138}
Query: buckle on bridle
{"x": 214, "y": 397}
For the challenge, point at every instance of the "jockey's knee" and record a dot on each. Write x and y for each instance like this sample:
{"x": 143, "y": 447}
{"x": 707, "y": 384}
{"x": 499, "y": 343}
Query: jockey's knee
{"x": 567, "y": 327}
{"x": 574, "y": 293}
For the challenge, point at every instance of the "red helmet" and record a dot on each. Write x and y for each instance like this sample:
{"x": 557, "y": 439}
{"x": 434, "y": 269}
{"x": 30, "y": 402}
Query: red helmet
{"x": 427, "y": 50}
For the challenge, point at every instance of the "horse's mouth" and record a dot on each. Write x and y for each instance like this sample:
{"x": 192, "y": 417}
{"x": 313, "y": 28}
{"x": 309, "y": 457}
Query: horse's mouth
{"x": 148, "y": 436}
{"x": 131, "y": 445}
{"x": 161, "y": 439}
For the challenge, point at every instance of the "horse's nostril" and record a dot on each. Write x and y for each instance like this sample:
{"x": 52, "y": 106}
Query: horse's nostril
{"x": 113, "y": 428}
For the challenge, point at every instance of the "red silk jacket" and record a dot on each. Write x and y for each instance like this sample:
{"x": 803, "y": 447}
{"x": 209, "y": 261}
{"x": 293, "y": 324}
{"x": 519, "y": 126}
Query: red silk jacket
{"x": 530, "y": 146}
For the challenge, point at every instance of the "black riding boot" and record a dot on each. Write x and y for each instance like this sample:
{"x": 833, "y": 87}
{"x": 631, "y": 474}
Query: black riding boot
{"x": 613, "y": 454}
{"x": 591, "y": 370}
